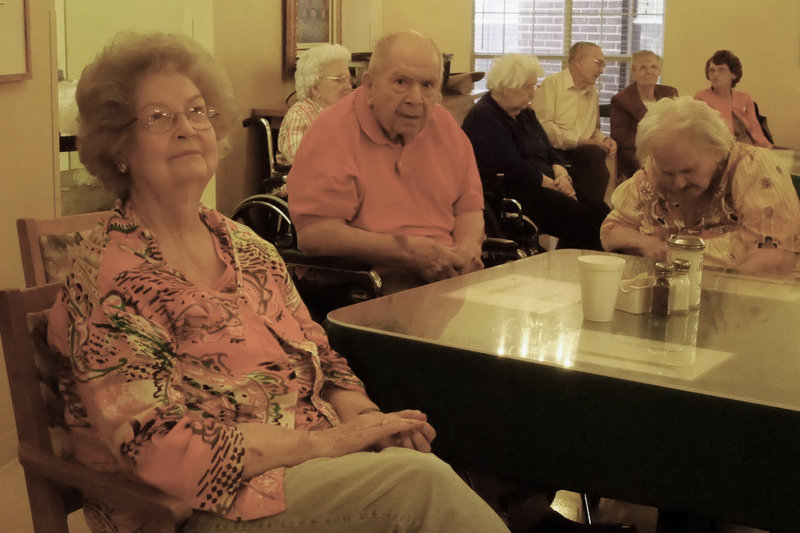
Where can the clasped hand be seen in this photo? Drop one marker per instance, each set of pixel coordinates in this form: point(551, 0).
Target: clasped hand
point(433, 261)
point(375, 431)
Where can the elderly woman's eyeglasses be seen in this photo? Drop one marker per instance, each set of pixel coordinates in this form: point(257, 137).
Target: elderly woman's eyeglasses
point(200, 117)
point(339, 79)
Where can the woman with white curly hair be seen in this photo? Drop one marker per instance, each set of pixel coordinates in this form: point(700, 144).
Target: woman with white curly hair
point(508, 139)
point(322, 79)
point(696, 179)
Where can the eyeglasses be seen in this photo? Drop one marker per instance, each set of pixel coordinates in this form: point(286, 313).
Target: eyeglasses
point(339, 79)
point(600, 62)
point(529, 86)
point(200, 117)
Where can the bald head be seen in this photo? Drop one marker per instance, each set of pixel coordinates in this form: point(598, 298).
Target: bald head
point(403, 41)
point(403, 83)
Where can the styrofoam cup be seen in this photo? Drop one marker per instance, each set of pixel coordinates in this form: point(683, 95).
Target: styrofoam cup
point(600, 277)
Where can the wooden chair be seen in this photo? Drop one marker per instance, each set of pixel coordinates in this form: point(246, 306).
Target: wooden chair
point(47, 244)
point(56, 484)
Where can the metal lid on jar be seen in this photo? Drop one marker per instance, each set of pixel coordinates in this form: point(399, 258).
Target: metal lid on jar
point(686, 242)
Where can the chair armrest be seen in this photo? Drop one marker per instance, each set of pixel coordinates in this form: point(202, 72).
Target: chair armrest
point(498, 245)
point(511, 205)
point(114, 488)
point(294, 256)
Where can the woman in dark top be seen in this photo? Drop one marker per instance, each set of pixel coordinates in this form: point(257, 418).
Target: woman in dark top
point(507, 138)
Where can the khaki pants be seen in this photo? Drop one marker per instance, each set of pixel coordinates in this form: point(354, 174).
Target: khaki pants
point(395, 490)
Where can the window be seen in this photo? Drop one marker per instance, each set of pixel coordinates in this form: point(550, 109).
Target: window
point(548, 28)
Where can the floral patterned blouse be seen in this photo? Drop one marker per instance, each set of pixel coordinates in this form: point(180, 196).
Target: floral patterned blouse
point(162, 370)
point(754, 205)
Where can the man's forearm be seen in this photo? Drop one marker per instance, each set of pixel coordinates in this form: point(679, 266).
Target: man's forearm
point(468, 230)
point(336, 238)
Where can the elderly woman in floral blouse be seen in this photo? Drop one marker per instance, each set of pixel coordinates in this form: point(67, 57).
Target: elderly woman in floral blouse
point(696, 178)
point(322, 78)
point(193, 365)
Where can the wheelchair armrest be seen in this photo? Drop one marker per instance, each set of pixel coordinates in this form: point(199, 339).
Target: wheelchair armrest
point(327, 283)
point(511, 205)
point(294, 256)
point(281, 169)
point(498, 245)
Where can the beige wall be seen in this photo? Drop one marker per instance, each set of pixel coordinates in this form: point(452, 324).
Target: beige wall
point(248, 42)
point(28, 159)
point(448, 23)
point(766, 37)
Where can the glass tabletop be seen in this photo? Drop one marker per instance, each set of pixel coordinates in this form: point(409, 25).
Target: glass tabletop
point(741, 344)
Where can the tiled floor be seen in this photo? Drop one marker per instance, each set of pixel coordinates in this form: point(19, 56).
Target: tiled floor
point(15, 516)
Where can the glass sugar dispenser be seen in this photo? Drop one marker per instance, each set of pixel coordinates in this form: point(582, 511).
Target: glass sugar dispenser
point(689, 248)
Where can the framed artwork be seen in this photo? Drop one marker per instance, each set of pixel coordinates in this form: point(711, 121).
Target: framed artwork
point(15, 59)
point(308, 23)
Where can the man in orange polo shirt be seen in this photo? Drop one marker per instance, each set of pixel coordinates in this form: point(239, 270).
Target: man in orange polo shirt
point(386, 175)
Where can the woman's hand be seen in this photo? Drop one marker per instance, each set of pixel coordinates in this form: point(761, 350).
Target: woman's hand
point(371, 431)
point(419, 439)
point(768, 261)
point(652, 247)
point(628, 240)
point(562, 182)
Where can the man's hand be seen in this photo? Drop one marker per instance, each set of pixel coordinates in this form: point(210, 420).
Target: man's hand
point(430, 260)
point(470, 258)
point(611, 144)
point(607, 144)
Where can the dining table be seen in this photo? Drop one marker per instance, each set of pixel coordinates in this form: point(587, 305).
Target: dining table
point(698, 412)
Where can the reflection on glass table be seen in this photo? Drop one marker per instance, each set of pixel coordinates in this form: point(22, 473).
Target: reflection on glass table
point(698, 412)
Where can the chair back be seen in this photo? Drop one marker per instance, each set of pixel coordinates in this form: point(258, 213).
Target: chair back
point(48, 245)
point(33, 371)
point(55, 483)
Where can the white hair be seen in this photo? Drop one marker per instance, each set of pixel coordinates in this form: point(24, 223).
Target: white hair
point(512, 71)
point(311, 63)
point(682, 117)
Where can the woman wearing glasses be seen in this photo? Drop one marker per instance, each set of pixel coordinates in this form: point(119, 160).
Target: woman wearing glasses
point(724, 70)
point(322, 79)
point(190, 362)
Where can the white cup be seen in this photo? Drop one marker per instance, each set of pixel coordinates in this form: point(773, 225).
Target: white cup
point(600, 277)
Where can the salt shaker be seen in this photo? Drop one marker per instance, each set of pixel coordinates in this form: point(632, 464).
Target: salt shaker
point(681, 288)
point(690, 248)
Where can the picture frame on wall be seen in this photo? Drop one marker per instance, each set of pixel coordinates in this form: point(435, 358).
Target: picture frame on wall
point(15, 59)
point(308, 23)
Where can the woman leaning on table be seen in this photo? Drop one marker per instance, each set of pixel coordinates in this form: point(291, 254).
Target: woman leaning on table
point(193, 365)
point(695, 177)
point(724, 70)
point(630, 105)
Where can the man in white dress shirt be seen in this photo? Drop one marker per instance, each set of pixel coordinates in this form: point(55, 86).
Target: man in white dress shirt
point(567, 107)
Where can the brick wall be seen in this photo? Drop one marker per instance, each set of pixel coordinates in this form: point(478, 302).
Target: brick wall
point(620, 27)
